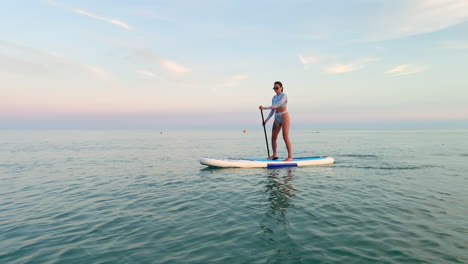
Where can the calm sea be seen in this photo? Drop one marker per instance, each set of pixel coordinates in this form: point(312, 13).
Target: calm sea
point(139, 196)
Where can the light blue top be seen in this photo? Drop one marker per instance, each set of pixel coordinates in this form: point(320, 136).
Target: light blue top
point(277, 101)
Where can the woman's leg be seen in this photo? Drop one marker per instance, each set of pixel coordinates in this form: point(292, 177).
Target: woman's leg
point(286, 125)
point(274, 136)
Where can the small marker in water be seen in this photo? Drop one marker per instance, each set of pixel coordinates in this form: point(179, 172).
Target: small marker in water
point(245, 131)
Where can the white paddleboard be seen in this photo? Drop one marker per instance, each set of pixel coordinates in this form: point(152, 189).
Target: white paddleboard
point(266, 163)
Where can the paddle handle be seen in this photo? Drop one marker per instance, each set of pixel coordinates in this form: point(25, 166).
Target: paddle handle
point(264, 130)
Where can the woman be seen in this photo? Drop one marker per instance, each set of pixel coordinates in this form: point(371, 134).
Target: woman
point(282, 120)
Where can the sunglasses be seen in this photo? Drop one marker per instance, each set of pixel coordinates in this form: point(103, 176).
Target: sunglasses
point(275, 88)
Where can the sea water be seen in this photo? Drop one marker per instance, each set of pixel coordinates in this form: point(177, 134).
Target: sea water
point(140, 196)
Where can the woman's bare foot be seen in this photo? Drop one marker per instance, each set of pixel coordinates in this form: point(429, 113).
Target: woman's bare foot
point(273, 157)
point(288, 159)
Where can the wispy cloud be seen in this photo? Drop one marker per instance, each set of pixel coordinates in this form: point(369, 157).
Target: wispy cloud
point(329, 65)
point(418, 17)
point(95, 69)
point(109, 20)
point(148, 56)
point(32, 58)
point(349, 67)
point(235, 80)
point(173, 67)
point(309, 60)
point(89, 14)
point(405, 69)
point(148, 74)
point(457, 45)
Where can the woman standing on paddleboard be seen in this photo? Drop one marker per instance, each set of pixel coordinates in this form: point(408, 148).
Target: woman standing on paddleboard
point(282, 120)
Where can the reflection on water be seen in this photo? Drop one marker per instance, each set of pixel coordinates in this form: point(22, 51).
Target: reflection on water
point(279, 192)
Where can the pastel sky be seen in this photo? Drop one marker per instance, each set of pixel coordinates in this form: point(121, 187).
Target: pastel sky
point(151, 63)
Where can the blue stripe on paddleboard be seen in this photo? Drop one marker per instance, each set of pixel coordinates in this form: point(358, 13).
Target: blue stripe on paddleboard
point(295, 159)
point(270, 165)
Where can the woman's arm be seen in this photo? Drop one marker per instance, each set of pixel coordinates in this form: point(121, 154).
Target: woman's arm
point(270, 115)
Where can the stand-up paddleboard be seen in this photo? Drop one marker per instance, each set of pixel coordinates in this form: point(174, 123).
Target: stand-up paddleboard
point(266, 163)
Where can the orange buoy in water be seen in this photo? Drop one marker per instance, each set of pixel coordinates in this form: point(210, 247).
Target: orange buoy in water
point(245, 131)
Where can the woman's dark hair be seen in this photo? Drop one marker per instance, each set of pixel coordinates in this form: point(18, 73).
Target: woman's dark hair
point(280, 84)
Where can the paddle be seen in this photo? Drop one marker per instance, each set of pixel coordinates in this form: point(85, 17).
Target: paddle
point(264, 130)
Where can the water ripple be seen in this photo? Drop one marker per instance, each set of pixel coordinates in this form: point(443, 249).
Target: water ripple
point(133, 197)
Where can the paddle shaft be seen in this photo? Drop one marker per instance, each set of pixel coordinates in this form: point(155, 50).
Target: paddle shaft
point(264, 130)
